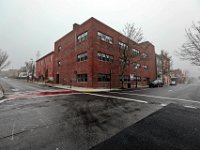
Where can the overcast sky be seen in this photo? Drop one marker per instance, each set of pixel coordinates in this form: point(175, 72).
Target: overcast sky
point(28, 26)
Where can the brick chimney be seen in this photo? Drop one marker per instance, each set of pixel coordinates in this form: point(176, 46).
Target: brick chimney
point(75, 26)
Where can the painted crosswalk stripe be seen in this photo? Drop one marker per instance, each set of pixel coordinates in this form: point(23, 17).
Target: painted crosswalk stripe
point(118, 97)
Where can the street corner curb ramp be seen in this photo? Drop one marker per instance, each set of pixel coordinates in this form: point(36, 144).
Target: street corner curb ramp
point(1, 92)
point(172, 127)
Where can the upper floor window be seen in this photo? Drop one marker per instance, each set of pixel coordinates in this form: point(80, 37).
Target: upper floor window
point(123, 45)
point(144, 55)
point(104, 57)
point(104, 37)
point(124, 61)
point(136, 65)
point(59, 48)
point(82, 37)
point(145, 67)
point(82, 57)
point(59, 63)
point(135, 52)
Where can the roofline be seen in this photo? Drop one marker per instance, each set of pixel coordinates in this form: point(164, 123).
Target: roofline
point(45, 56)
point(94, 19)
point(112, 29)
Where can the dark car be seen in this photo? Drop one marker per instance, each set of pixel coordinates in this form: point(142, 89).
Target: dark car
point(156, 83)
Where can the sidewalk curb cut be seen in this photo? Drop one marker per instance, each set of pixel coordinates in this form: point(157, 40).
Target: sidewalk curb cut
point(1, 93)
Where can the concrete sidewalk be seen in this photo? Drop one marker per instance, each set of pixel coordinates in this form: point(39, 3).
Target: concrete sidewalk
point(84, 89)
point(1, 92)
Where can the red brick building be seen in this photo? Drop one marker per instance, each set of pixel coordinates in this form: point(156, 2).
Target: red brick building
point(44, 67)
point(88, 56)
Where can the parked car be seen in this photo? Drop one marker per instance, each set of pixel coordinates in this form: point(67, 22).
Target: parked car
point(156, 83)
point(173, 83)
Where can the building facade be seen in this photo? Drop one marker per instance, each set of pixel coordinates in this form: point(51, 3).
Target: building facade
point(88, 56)
point(159, 67)
point(163, 61)
point(178, 75)
point(44, 67)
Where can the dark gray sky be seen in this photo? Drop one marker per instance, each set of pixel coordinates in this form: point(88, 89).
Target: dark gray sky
point(28, 26)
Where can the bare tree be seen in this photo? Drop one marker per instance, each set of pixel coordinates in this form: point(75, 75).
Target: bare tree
point(3, 59)
point(127, 53)
point(190, 50)
point(30, 68)
point(133, 33)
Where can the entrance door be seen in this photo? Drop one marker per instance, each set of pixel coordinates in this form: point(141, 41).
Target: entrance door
point(57, 78)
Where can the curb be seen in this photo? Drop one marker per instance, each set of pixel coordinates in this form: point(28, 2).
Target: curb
point(91, 90)
point(1, 92)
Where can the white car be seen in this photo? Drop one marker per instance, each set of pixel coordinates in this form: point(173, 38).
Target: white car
point(173, 83)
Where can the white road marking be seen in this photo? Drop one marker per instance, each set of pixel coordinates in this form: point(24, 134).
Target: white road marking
point(190, 106)
point(7, 99)
point(138, 90)
point(15, 90)
point(160, 97)
point(13, 129)
point(1, 101)
point(116, 97)
point(163, 105)
point(170, 91)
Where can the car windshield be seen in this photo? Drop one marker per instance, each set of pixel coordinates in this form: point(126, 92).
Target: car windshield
point(99, 74)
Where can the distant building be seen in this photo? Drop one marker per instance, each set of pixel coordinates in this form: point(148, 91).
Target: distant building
point(159, 68)
point(44, 67)
point(11, 73)
point(178, 75)
point(163, 67)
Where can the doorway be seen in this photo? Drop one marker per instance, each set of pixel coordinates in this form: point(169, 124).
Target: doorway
point(57, 78)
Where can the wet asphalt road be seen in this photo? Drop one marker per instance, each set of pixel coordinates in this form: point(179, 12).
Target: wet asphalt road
point(73, 121)
point(79, 121)
point(171, 128)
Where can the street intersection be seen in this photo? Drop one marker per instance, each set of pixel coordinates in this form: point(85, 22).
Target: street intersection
point(35, 116)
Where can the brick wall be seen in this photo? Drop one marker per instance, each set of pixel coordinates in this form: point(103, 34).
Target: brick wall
point(70, 48)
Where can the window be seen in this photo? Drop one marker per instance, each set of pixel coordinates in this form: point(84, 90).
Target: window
point(59, 63)
point(144, 55)
point(126, 78)
point(82, 57)
point(59, 48)
point(103, 77)
point(81, 77)
point(136, 65)
point(104, 57)
point(124, 61)
point(137, 77)
point(82, 37)
point(123, 45)
point(135, 52)
point(145, 67)
point(104, 37)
